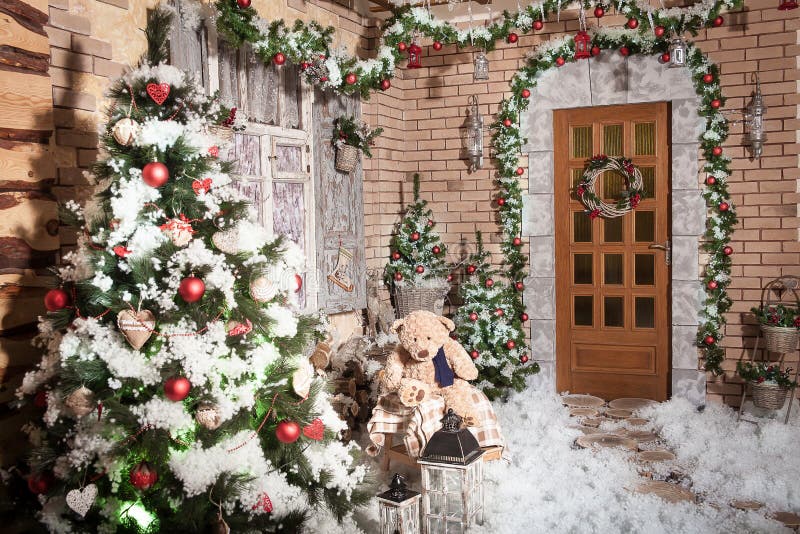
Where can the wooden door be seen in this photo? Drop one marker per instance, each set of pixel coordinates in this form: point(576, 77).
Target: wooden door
point(612, 287)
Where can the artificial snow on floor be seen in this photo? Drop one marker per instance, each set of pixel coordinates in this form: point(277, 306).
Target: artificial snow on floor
point(549, 485)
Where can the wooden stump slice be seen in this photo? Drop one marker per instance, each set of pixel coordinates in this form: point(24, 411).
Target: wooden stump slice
point(747, 505)
point(582, 401)
point(583, 412)
point(642, 437)
point(594, 421)
point(637, 421)
point(655, 456)
point(665, 490)
point(606, 440)
point(789, 519)
point(631, 404)
point(587, 430)
point(618, 413)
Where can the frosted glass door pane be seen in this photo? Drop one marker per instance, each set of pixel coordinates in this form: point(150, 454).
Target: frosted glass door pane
point(614, 311)
point(583, 310)
point(289, 158)
point(582, 142)
point(253, 190)
point(582, 227)
point(612, 139)
point(289, 213)
point(247, 155)
point(582, 268)
point(645, 139)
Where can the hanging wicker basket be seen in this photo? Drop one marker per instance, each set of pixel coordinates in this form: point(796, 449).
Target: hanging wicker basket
point(768, 395)
point(410, 299)
point(781, 339)
point(346, 158)
point(223, 133)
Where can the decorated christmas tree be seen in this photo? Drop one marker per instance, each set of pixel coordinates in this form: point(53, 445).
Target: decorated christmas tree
point(417, 252)
point(489, 325)
point(175, 394)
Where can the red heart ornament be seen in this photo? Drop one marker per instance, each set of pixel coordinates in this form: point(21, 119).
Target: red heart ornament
point(158, 92)
point(316, 430)
point(201, 186)
point(121, 251)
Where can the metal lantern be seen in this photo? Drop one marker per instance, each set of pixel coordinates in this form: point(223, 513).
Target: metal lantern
point(474, 135)
point(399, 508)
point(754, 121)
point(582, 48)
point(414, 56)
point(481, 71)
point(452, 479)
point(677, 53)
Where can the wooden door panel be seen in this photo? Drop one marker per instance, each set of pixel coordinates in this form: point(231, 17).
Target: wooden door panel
point(612, 289)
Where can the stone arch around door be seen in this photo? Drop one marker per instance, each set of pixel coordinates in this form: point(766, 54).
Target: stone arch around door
point(605, 80)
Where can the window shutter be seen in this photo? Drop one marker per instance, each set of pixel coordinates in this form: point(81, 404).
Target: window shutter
point(339, 208)
point(188, 47)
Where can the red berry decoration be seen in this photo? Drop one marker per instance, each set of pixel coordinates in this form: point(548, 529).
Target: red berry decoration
point(474, 354)
point(523, 358)
point(449, 277)
point(40, 400)
point(155, 174)
point(560, 61)
point(287, 431)
point(56, 299)
point(473, 316)
point(665, 57)
point(595, 50)
point(625, 51)
point(471, 269)
point(708, 78)
point(716, 151)
point(430, 223)
point(599, 12)
point(40, 483)
point(499, 312)
point(520, 171)
point(526, 93)
point(501, 201)
point(385, 85)
point(507, 123)
point(415, 236)
point(510, 344)
point(632, 24)
point(538, 25)
point(177, 388)
point(436, 250)
point(279, 58)
point(724, 206)
point(524, 317)
point(191, 289)
point(727, 251)
point(716, 104)
point(351, 79)
point(712, 284)
point(709, 340)
point(717, 22)
point(659, 31)
point(489, 282)
point(512, 38)
point(710, 180)
point(401, 46)
point(519, 286)
point(304, 65)
point(516, 242)
point(420, 269)
point(395, 255)
point(244, 4)
point(143, 476)
point(398, 276)
point(437, 45)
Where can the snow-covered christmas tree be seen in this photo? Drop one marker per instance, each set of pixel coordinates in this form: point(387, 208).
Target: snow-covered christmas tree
point(175, 395)
point(417, 252)
point(489, 324)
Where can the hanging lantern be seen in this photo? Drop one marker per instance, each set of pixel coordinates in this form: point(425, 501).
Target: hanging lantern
point(414, 55)
point(582, 45)
point(474, 139)
point(399, 508)
point(787, 4)
point(481, 71)
point(677, 53)
point(452, 479)
point(754, 121)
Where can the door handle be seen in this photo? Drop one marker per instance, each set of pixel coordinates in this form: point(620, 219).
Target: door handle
point(667, 248)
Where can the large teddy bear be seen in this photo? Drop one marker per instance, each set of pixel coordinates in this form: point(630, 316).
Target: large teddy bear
point(429, 362)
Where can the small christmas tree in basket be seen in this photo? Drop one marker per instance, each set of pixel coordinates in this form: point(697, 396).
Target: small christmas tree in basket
point(417, 271)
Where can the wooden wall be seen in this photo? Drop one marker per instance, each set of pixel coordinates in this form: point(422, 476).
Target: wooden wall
point(29, 239)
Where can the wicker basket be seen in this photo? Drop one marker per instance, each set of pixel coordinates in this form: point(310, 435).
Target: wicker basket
point(223, 133)
point(346, 158)
point(769, 396)
point(409, 299)
point(780, 338)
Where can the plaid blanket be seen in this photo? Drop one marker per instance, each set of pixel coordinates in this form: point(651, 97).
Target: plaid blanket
point(418, 424)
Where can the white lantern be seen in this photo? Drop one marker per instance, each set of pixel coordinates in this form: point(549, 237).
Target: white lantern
point(399, 508)
point(481, 71)
point(754, 121)
point(677, 53)
point(452, 479)
point(474, 135)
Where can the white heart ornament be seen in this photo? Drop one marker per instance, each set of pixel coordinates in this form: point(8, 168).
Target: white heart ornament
point(137, 327)
point(80, 501)
point(301, 379)
point(227, 241)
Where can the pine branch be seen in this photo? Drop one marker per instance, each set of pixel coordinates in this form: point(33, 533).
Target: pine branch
point(159, 21)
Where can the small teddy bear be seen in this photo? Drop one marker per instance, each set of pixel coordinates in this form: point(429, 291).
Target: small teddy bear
point(429, 362)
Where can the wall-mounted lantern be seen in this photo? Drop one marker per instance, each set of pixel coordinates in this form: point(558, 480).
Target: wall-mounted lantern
point(754, 121)
point(474, 139)
point(677, 53)
point(481, 71)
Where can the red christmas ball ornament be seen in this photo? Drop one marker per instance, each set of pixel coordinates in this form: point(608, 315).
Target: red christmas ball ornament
point(430, 223)
point(560, 61)
point(385, 85)
point(40, 399)
point(471, 269)
point(510, 344)
point(191, 289)
point(715, 104)
point(436, 250)
point(474, 354)
point(632, 24)
point(595, 51)
point(710, 180)
point(523, 358)
point(501, 201)
point(727, 251)
point(395, 255)
point(512, 38)
point(724, 206)
point(625, 51)
point(473, 316)
point(304, 65)
point(56, 299)
point(709, 340)
point(298, 283)
point(538, 25)
point(279, 58)
point(177, 388)
point(402, 46)
point(708, 78)
point(507, 123)
point(437, 45)
point(244, 4)
point(398, 276)
point(526, 93)
point(519, 286)
point(287, 431)
point(516, 242)
point(524, 317)
point(717, 22)
point(143, 476)
point(419, 269)
point(39, 483)
point(659, 31)
point(599, 12)
point(351, 78)
point(520, 171)
point(489, 282)
point(716, 151)
point(415, 236)
point(665, 57)
point(155, 174)
point(712, 284)
point(499, 312)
